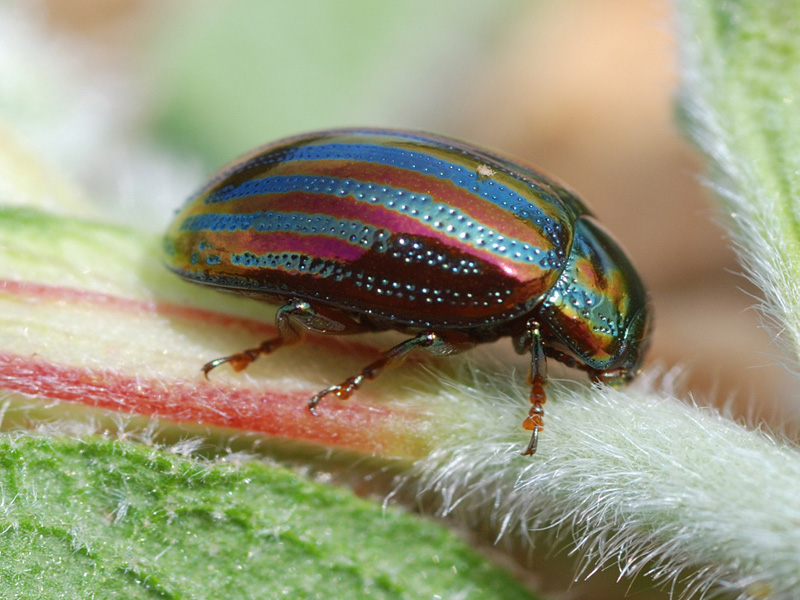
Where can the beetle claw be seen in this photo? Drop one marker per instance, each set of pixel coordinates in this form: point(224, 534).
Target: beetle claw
point(213, 364)
point(342, 391)
point(312, 404)
point(531, 449)
point(534, 423)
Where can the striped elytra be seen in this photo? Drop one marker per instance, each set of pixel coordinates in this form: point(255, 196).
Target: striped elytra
point(361, 230)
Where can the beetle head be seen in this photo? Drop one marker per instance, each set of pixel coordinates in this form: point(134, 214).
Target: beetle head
point(636, 342)
point(598, 311)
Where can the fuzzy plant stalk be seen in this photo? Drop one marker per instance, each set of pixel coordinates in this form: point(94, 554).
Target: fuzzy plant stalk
point(740, 103)
point(633, 478)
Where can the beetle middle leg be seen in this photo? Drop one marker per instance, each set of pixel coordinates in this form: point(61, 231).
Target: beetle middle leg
point(534, 422)
point(440, 344)
point(292, 320)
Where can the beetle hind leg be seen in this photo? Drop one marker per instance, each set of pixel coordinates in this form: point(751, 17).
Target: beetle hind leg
point(291, 321)
point(433, 343)
point(534, 422)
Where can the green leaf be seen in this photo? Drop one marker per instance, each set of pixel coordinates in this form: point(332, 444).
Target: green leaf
point(112, 519)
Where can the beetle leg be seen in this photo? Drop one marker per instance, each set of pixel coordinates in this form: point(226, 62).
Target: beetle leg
point(538, 379)
point(240, 360)
point(291, 321)
point(434, 343)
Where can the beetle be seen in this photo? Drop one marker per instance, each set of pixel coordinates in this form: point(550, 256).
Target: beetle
point(358, 230)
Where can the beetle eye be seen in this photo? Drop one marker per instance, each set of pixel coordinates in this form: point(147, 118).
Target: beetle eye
point(614, 377)
point(638, 338)
point(637, 341)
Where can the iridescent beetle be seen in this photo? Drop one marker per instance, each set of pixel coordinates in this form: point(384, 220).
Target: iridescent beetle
point(350, 231)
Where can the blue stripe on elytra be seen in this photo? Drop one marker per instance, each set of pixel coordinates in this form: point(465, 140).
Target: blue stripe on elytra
point(420, 162)
point(420, 207)
point(354, 232)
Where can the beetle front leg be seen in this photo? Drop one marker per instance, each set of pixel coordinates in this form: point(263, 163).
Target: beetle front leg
point(431, 342)
point(538, 379)
point(292, 320)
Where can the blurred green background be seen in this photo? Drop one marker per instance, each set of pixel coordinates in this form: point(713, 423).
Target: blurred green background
point(230, 76)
